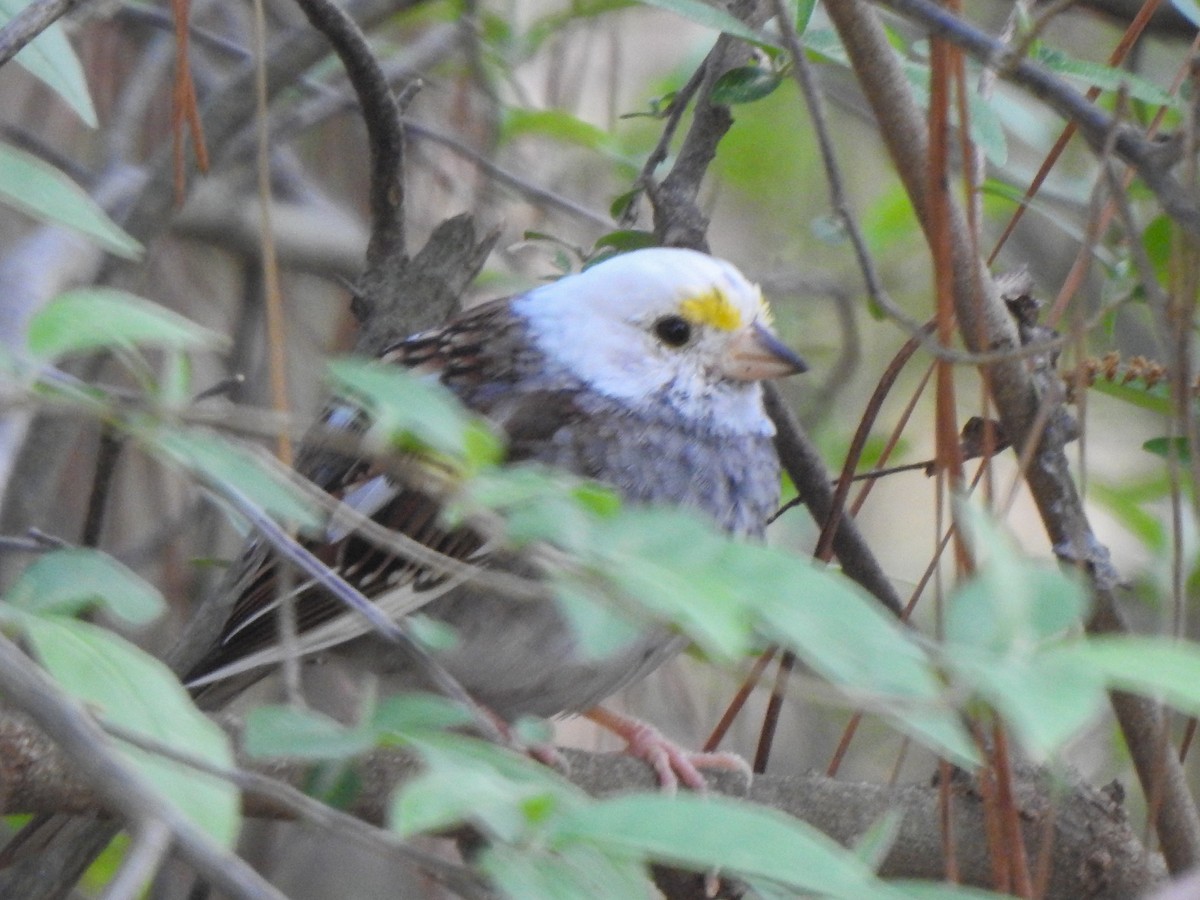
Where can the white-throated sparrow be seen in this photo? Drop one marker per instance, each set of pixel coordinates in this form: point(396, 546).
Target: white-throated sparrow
point(641, 372)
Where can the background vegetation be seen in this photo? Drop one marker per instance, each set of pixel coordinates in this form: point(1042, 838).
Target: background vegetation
point(158, 373)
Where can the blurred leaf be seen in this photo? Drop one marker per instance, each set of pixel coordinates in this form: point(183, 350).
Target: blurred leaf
point(829, 229)
point(1160, 668)
point(695, 832)
point(927, 890)
point(626, 240)
point(39, 190)
point(555, 22)
point(711, 17)
point(65, 582)
point(1156, 239)
point(621, 204)
point(1156, 399)
point(90, 319)
point(258, 476)
point(131, 689)
point(658, 108)
point(1189, 10)
point(1012, 604)
point(600, 630)
point(985, 128)
point(1002, 630)
point(729, 597)
point(415, 414)
point(1127, 502)
point(804, 11)
point(287, 731)
point(877, 841)
point(745, 84)
point(49, 58)
point(579, 872)
point(846, 637)
point(556, 124)
point(467, 780)
point(1015, 686)
point(1106, 78)
point(405, 716)
point(1165, 447)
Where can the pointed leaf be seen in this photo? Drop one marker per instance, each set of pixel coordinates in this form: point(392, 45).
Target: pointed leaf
point(129, 688)
point(90, 319)
point(50, 58)
point(67, 581)
point(39, 190)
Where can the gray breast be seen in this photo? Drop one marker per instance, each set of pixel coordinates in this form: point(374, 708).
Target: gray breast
point(733, 479)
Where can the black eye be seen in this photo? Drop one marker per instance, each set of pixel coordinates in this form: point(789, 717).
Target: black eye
point(674, 331)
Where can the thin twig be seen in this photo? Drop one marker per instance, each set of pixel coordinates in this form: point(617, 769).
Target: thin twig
point(31, 21)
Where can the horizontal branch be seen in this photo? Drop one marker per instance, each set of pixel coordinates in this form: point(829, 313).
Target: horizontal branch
point(1095, 852)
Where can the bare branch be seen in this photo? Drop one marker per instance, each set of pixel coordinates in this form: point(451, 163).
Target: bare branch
point(30, 22)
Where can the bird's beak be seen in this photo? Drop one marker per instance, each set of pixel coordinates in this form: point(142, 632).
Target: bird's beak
point(756, 354)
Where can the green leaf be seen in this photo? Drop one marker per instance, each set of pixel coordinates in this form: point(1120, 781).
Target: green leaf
point(468, 780)
point(579, 872)
point(39, 190)
point(877, 841)
point(1001, 634)
point(711, 17)
point(1156, 667)
point(49, 57)
point(1043, 720)
point(1157, 240)
point(1106, 78)
point(985, 128)
point(803, 15)
point(745, 84)
point(89, 319)
point(408, 716)
point(927, 890)
point(261, 478)
point(628, 239)
point(845, 636)
point(752, 841)
point(556, 124)
point(65, 582)
point(1167, 448)
point(410, 413)
point(622, 203)
point(125, 686)
point(1012, 604)
point(286, 731)
point(1157, 399)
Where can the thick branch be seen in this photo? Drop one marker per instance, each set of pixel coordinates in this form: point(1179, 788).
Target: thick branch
point(1095, 853)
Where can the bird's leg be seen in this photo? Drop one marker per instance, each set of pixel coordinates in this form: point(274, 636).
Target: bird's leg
point(542, 751)
point(671, 763)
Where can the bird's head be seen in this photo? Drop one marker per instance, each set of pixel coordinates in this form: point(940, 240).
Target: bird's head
point(664, 323)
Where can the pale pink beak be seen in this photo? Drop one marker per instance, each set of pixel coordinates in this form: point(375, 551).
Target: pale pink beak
point(755, 354)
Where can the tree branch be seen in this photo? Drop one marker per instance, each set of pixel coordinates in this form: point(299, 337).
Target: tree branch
point(1153, 161)
point(985, 324)
point(1095, 853)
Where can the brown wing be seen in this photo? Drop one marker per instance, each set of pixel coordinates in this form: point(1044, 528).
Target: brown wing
point(478, 355)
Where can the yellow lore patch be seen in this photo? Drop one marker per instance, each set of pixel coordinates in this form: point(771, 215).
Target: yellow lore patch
point(715, 309)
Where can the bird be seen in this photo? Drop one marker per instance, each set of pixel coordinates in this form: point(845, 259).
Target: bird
point(642, 372)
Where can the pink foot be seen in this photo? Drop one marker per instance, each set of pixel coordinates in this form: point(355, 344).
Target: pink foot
point(671, 763)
